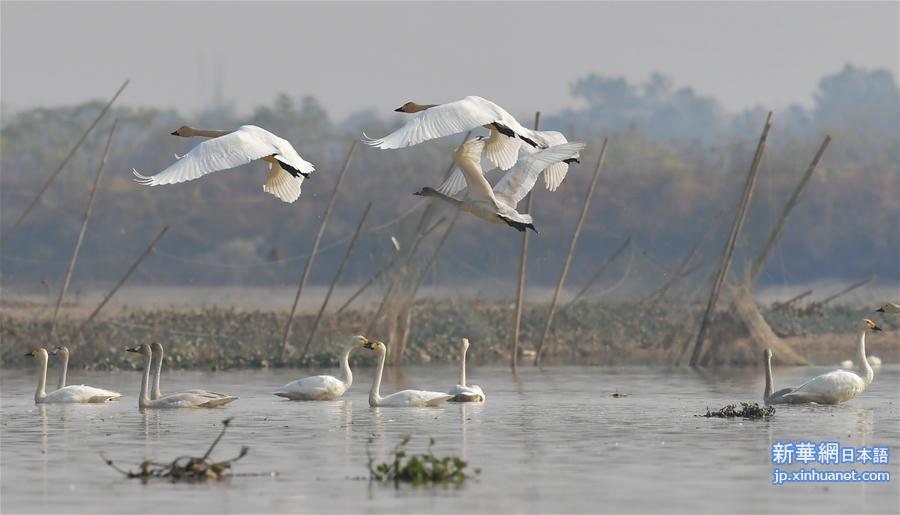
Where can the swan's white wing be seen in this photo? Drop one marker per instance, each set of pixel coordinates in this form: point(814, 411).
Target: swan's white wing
point(502, 150)
point(237, 148)
point(468, 158)
point(436, 122)
point(454, 184)
point(516, 183)
point(282, 184)
point(555, 173)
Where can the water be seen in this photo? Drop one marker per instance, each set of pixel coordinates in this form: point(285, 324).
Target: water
point(554, 442)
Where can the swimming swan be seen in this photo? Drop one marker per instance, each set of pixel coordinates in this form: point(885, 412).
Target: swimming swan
point(228, 149)
point(461, 392)
point(889, 307)
point(838, 385)
point(157, 354)
point(323, 388)
point(498, 205)
point(438, 120)
point(72, 394)
point(64, 368)
point(402, 399)
point(768, 396)
point(175, 400)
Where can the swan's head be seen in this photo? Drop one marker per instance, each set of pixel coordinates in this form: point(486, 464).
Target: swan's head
point(465, 344)
point(184, 131)
point(156, 347)
point(409, 107)
point(142, 349)
point(868, 325)
point(62, 349)
point(374, 345)
point(360, 340)
point(36, 353)
point(767, 353)
point(888, 308)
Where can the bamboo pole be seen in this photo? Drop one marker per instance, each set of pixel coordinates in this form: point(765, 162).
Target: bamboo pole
point(337, 277)
point(568, 261)
point(315, 248)
point(609, 261)
point(84, 223)
point(62, 165)
point(760, 261)
point(845, 291)
point(679, 271)
point(784, 305)
point(125, 277)
point(728, 251)
point(523, 265)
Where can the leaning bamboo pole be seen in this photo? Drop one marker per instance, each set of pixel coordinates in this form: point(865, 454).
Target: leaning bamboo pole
point(571, 252)
point(62, 165)
point(315, 248)
point(84, 223)
point(523, 265)
point(337, 277)
point(760, 260)
point(728, 251)
point(126, 276)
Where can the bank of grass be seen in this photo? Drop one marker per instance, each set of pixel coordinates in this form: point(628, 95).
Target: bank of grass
point(589, 333)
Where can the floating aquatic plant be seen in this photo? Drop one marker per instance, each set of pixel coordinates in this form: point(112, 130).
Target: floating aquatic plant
point(617, 394)
point(185, 468)
point(418, 469)
point(748, 411)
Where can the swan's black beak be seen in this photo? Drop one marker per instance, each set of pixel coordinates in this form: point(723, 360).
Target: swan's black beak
point(30, 354)
point(133, 349)
point(876, 328)
point(174, 133)
point(879, 310)
point(369, 344)
point(399, 109)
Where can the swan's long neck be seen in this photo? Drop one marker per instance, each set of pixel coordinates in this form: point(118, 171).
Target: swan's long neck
point(157, 372)
point(206, 133)
point(63, 371)
point(431, 192)
point(375, 393)
point(41, 391)
point(346, 374)
point(767, 393)
point(143, 401)
point(864, 362)
point(462, 366)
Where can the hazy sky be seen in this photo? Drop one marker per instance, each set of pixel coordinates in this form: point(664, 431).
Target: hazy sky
point(357, 55)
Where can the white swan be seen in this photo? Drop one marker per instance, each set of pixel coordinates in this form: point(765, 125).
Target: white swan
point(498, 205)
point(462, 392)
point(768, 396)
point(175, 400)
point(68, 394)
point(553, 174)
point(402, 399)
point(64, 368)
point(889, 307)
point(323, 388)
point(228, 149)
point(157, 355)
point(432, 121)
point(838, 385)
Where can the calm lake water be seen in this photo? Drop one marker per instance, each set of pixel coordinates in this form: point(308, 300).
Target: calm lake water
point(555, 441)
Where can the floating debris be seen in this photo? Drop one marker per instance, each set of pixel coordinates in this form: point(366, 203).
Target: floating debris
point(185, 468)
point(748, 411)
point(419, 469)
point(618, 395)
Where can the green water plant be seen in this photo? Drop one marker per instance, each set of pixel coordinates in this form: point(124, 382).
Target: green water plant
point(747, 411)
point(419, 469)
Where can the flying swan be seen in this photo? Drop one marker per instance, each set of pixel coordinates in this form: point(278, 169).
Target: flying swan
point(175, 400)
point(68, 394)
point(402, 399)
point(838, 385)
point(499, 205)
point(324, 387)
point(461, 392)
point(438, 120)
point(228, 149)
